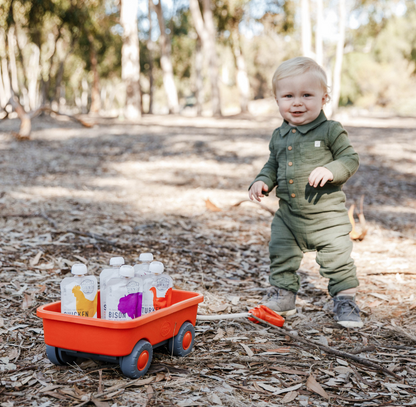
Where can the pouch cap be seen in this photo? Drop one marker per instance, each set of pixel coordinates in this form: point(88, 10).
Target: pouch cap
point(146, 257)
point(156, 267)
point(116, 261)
point(79, 269)
point(127, 271)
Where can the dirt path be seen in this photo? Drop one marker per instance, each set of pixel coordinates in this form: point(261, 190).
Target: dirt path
point(73, 194)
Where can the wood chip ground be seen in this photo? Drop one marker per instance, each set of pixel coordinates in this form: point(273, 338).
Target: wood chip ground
point(73, 194)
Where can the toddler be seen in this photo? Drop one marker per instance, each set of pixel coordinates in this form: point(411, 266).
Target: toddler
point(310, 159)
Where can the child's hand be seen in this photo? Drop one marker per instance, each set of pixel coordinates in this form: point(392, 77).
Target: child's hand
point(319, 175)
point(256, 190)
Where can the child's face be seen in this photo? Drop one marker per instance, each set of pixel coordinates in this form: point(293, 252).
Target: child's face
point(300, 98)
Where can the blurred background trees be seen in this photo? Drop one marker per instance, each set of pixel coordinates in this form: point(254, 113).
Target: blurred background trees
point(128, 57)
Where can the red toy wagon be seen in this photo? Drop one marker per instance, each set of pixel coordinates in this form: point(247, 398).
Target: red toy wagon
point(128, 343)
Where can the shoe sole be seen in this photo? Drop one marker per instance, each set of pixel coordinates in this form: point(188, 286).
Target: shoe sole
point(350, 324)
point(286, 313)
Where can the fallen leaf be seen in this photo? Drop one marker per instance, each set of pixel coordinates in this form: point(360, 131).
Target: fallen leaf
point(14, 353)
point(220, 334)
point(28, 300)
point(160, 377)
point(279, 350)
point(215, 399)
point(313, 385)
point(36, 259)
point(149, 391)
point(267, 387)
point(374, 304)
point(218, 308)
point(380, 296)
point(83, 259)
point(99, 403)
point(290, 371)
point(289, 397)
point(247, 349)
point(41, 288)
point(56, 395)
point(343, 369)
point(212, 207)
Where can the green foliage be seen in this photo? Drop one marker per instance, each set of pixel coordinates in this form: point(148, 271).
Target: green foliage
point(382, 65)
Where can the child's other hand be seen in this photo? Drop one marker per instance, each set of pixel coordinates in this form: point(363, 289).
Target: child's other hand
point(320, 176)
point(256, 190)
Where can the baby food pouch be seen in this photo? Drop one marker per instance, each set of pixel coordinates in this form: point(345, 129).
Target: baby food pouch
point(142, 268)
point(124, 296)
point(157, 291)
point(79, 293)
point(108, 273)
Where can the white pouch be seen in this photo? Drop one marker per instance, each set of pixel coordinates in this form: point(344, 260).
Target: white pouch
point(124, 296)
point(157, 290)
point(108, 273)
point(79, 293)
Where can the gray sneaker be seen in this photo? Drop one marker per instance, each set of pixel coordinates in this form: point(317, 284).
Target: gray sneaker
point(280, 300)
point(347, 312)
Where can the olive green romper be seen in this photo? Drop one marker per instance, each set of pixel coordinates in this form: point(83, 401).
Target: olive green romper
point(309, 218)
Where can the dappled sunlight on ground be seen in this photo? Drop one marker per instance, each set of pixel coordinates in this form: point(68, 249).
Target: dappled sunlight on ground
point(73, 194)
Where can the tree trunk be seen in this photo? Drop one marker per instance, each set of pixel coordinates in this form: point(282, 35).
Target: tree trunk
point(84, 96)
point(206, 31)
point(6, 94)
point(130, 66)
point(95, 90)
point(242, 77)
point(33, 73)
point(21, 60)
point(12, 60)
point(59, 76)
point(339, 56)
point(213, 60)
point(6, 78)
point(166, 62)
point(3, 98)
point(318, 33)
point(306, 29)
point(150, 49)
point(25, 121)
point(199, 83)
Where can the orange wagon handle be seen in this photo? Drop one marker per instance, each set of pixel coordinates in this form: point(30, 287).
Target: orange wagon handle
point(261, 312)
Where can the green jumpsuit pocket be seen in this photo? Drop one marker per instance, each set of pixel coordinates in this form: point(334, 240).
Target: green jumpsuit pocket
point(315, 152)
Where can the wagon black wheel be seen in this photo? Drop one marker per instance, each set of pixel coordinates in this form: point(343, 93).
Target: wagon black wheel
point(58, 356)
point(138, 362)
point(52, 354)
point(65, 358)
point(183, 342)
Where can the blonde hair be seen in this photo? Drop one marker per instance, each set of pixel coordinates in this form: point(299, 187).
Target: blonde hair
point(299, 66)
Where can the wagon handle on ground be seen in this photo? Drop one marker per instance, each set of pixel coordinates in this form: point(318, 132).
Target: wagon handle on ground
point(261, 312)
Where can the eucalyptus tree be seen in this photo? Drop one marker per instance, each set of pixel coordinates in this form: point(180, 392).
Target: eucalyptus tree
point(166, 60)
point(130, 63)
point(205, 28)
point(229, 14)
